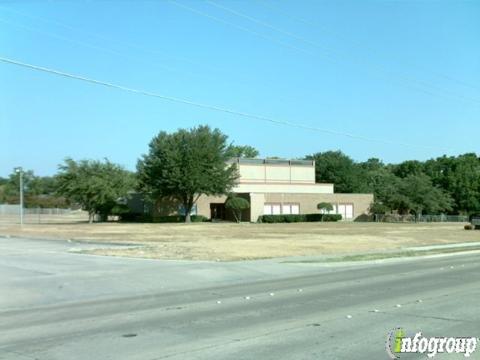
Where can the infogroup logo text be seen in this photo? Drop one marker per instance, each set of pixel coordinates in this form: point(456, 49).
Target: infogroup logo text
point(398, 343)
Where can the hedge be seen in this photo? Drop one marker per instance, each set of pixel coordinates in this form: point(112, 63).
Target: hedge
point(298, 218)
point(132, 217)
point(178, 218)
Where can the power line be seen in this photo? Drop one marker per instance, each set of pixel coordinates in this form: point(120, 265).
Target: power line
point(105, 49)
point(207, 106)
point(406, 79)
point(365, 46)
point(100, 37)
point(217, 19)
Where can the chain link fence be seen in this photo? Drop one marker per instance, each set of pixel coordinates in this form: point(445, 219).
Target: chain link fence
point(395, 218)
point(10, 214)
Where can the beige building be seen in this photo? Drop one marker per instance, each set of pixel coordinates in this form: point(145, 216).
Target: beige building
point(275, 186)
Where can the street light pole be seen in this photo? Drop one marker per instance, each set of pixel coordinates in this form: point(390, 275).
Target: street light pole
point(19, 171)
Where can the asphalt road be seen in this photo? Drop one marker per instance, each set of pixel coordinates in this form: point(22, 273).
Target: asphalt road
point(55, 304)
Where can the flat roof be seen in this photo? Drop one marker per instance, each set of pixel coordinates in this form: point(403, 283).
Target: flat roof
point(273, 161)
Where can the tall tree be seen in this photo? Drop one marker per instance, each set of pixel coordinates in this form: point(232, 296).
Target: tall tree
point(95, 185)
point(460, 177)
point(185, 165)
point(39, 191)
point(423, 196)
point(406, 168)
point(337, 168)
point(245, 151)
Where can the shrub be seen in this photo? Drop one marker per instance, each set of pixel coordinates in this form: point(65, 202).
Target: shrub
point(237, 205)
point(332, 217)
point(314, 217)
point(178, 218)
point(146, 218)
point(325, 206)
point(198, 218)
point(135, 217)
point(272, 219)
point(468, 227)
point(294, 218)
point(120, 209)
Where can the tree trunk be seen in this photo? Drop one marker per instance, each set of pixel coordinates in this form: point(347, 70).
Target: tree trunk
point(188, 209)
point(235, 214)
point(91, 216)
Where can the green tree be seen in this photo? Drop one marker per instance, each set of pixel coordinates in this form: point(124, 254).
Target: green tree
point(39, 191)
point(185, 165)
point(460, 177)
point(337, 168)
point(237, 205)
point(406, 168)
point(95, 185)
point(423, 196)
point(239, 151)
point(324, 207)
point(386, 189)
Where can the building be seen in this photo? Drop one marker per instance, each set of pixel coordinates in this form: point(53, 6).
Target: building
point(277, 186)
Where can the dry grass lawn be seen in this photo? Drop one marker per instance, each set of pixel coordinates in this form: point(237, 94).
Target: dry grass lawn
point(228, 241)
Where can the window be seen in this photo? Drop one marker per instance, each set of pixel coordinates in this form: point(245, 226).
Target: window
point(181, 210)
point(267, 209)
point(346, 210)
point(286, 209)
point(277, 209)
point(295, 208)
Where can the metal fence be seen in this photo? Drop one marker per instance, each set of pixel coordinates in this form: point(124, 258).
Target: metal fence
point(10, 214)
point(395, 218)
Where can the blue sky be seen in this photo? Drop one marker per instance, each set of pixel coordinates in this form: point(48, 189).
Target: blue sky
point(400, 71)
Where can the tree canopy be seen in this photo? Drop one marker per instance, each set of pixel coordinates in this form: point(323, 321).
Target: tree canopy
point(324, 207)
point(39, 191)
point(244, 151)
point(237, 204)
point(442, 185)
point(337, 168)
point(187, 164)
point(95, 185)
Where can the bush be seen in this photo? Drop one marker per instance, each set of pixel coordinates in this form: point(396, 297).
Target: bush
point(314, 217)
point(332, 217)
point(272, 219)
point(237, 205)
point(178, 219)
point(468, 227)
point(198, 218)
point(120, 210)
point(135, 217)
point(146, 218)
point(327, 207)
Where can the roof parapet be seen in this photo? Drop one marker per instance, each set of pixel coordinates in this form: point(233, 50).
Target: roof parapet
point(273, 161)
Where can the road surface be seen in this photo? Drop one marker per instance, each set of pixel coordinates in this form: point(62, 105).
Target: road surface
point(55, 304)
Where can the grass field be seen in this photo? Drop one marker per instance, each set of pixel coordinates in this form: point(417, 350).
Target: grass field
point(228, 241)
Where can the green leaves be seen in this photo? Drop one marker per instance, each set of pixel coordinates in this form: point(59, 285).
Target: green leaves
point(185, 165)
point(337, 168)
point(246, 151)
point(237, 205)
point(96, 186)
point(445, 184)
point(325, 206)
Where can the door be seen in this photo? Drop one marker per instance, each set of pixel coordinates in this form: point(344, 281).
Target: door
point(217, 211)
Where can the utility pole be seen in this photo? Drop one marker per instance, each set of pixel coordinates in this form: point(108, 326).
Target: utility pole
point(19, 171)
